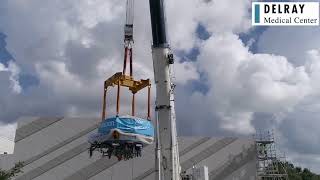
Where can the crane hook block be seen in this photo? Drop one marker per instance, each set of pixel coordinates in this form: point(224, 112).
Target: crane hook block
point(128, 32)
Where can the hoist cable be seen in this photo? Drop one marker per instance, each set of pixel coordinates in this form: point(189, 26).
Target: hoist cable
point(130, 12)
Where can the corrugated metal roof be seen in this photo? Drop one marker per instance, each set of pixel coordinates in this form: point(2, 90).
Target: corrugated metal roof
point(59, 151)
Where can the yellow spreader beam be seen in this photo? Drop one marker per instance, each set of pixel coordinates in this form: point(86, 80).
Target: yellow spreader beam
point(126, 81)
point(119, 79)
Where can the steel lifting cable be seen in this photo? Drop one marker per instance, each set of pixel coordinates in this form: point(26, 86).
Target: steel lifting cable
point(149, 102)
point(118, 98)
point(132, 168)
point(130, 12)
point(131, 68)
point(112, 171)
point(128, 41)
point(104, 105)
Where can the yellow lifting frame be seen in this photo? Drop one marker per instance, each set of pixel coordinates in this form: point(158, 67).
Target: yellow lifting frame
point(119, 79)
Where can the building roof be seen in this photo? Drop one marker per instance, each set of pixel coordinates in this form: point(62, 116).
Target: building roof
point(57, 148)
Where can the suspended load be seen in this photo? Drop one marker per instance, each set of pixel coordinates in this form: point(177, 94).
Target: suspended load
point(125, 128)
point(124, 133)
point(124, 136)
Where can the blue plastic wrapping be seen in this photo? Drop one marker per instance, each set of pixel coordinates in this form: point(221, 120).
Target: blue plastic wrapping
point(127, 124)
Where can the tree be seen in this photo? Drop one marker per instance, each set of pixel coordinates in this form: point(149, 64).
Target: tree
point(298, 173)
point(8, 174)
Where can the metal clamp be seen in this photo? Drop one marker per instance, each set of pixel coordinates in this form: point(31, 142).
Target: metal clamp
point(162, 107)
point(170, 58)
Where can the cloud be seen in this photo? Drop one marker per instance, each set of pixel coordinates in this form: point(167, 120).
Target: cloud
point(54, 44)
point(184, 72)
point(243, 83)
point(299, 138)
point(13, 71)
point(72, 47)
point(291, 42)
point(214, 15)
point(211, 14)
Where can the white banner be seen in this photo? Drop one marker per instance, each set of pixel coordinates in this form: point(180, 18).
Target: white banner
point(285, 13)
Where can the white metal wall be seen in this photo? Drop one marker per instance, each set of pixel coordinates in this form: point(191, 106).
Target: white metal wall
point(57, 149)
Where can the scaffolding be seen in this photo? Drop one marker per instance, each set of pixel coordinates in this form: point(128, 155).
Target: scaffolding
point(270, 165)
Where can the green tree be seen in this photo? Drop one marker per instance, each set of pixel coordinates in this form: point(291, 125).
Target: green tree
point(8, 174)
point(298, 173)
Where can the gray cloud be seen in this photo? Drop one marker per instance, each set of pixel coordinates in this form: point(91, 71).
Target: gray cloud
point(71, 47)
point(287, 41)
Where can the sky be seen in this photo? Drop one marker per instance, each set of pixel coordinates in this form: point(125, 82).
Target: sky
point(232, 78)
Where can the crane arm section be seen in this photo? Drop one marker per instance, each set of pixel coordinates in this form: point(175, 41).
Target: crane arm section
point(128, 29)
point(167, 160)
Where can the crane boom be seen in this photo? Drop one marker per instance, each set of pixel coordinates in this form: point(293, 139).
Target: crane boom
point(128, 29)
point(167, 154)
point(128, 37)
